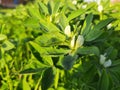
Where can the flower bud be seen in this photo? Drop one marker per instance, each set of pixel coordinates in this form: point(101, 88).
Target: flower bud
point(100, 8)
point(79, 41)
point(72, 44)
point(84, 6)
point(67, 30)
point(102, 59)
point(107, 63)
point(109, 26)
point(74, 2)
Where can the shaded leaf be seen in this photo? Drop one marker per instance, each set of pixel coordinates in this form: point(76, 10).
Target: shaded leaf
point(104, 81)
point(47, 79)
point(32, 71)
point(103, 23)
point(87, 24)
point(96, 31)
point(68, 62)
point(88, 50)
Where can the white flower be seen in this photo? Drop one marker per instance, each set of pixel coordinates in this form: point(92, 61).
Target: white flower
point(109, 26)
point(67, 30)
point(84, 6)
point(88, 0)
point(107, 63)
point(100, 8)
point(98, 1)
point(74, 2)
point(102, 59)
point(79, 41)
point(72, 44)
point(50, 18)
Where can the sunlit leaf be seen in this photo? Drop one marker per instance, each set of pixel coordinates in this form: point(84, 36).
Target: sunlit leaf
point(7, 45)
point(43, 8)
point(78, 12)
point(43, 53)
point(26, 84)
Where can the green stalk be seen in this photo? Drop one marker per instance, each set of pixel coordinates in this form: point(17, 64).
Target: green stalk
point(8, 78)
point(2, 28)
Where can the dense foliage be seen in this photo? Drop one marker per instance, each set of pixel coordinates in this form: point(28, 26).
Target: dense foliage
point(60, 45)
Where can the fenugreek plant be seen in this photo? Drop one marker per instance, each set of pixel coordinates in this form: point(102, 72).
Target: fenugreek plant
point(61, 45)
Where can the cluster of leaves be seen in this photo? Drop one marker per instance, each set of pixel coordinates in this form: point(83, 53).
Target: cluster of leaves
point(36, 51)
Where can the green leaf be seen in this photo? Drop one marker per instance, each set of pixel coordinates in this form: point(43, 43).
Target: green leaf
point(7, 45)
point(43, 8)
point(34, 11)
point(38, 48)
point(56, 6)
point(96, 31)
point(63, 21)
point(50, 39)
point(79, 12)
point(26, 85)
point(111, 82)
point(111, 52)
point(115, 66)
point(103, 23)
point(43, 53)
point(88, 50)
point(92, 35)
point(90, 73)
point(32, 22)
point(2, 38)
point(76, 13)
point(32, 71)
point(47, 79)
point(68, 62)
point(48, 26)
point(56, 81)
point(104, 81)
point(87, 24)
point(56, 51)
point(51, 6)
